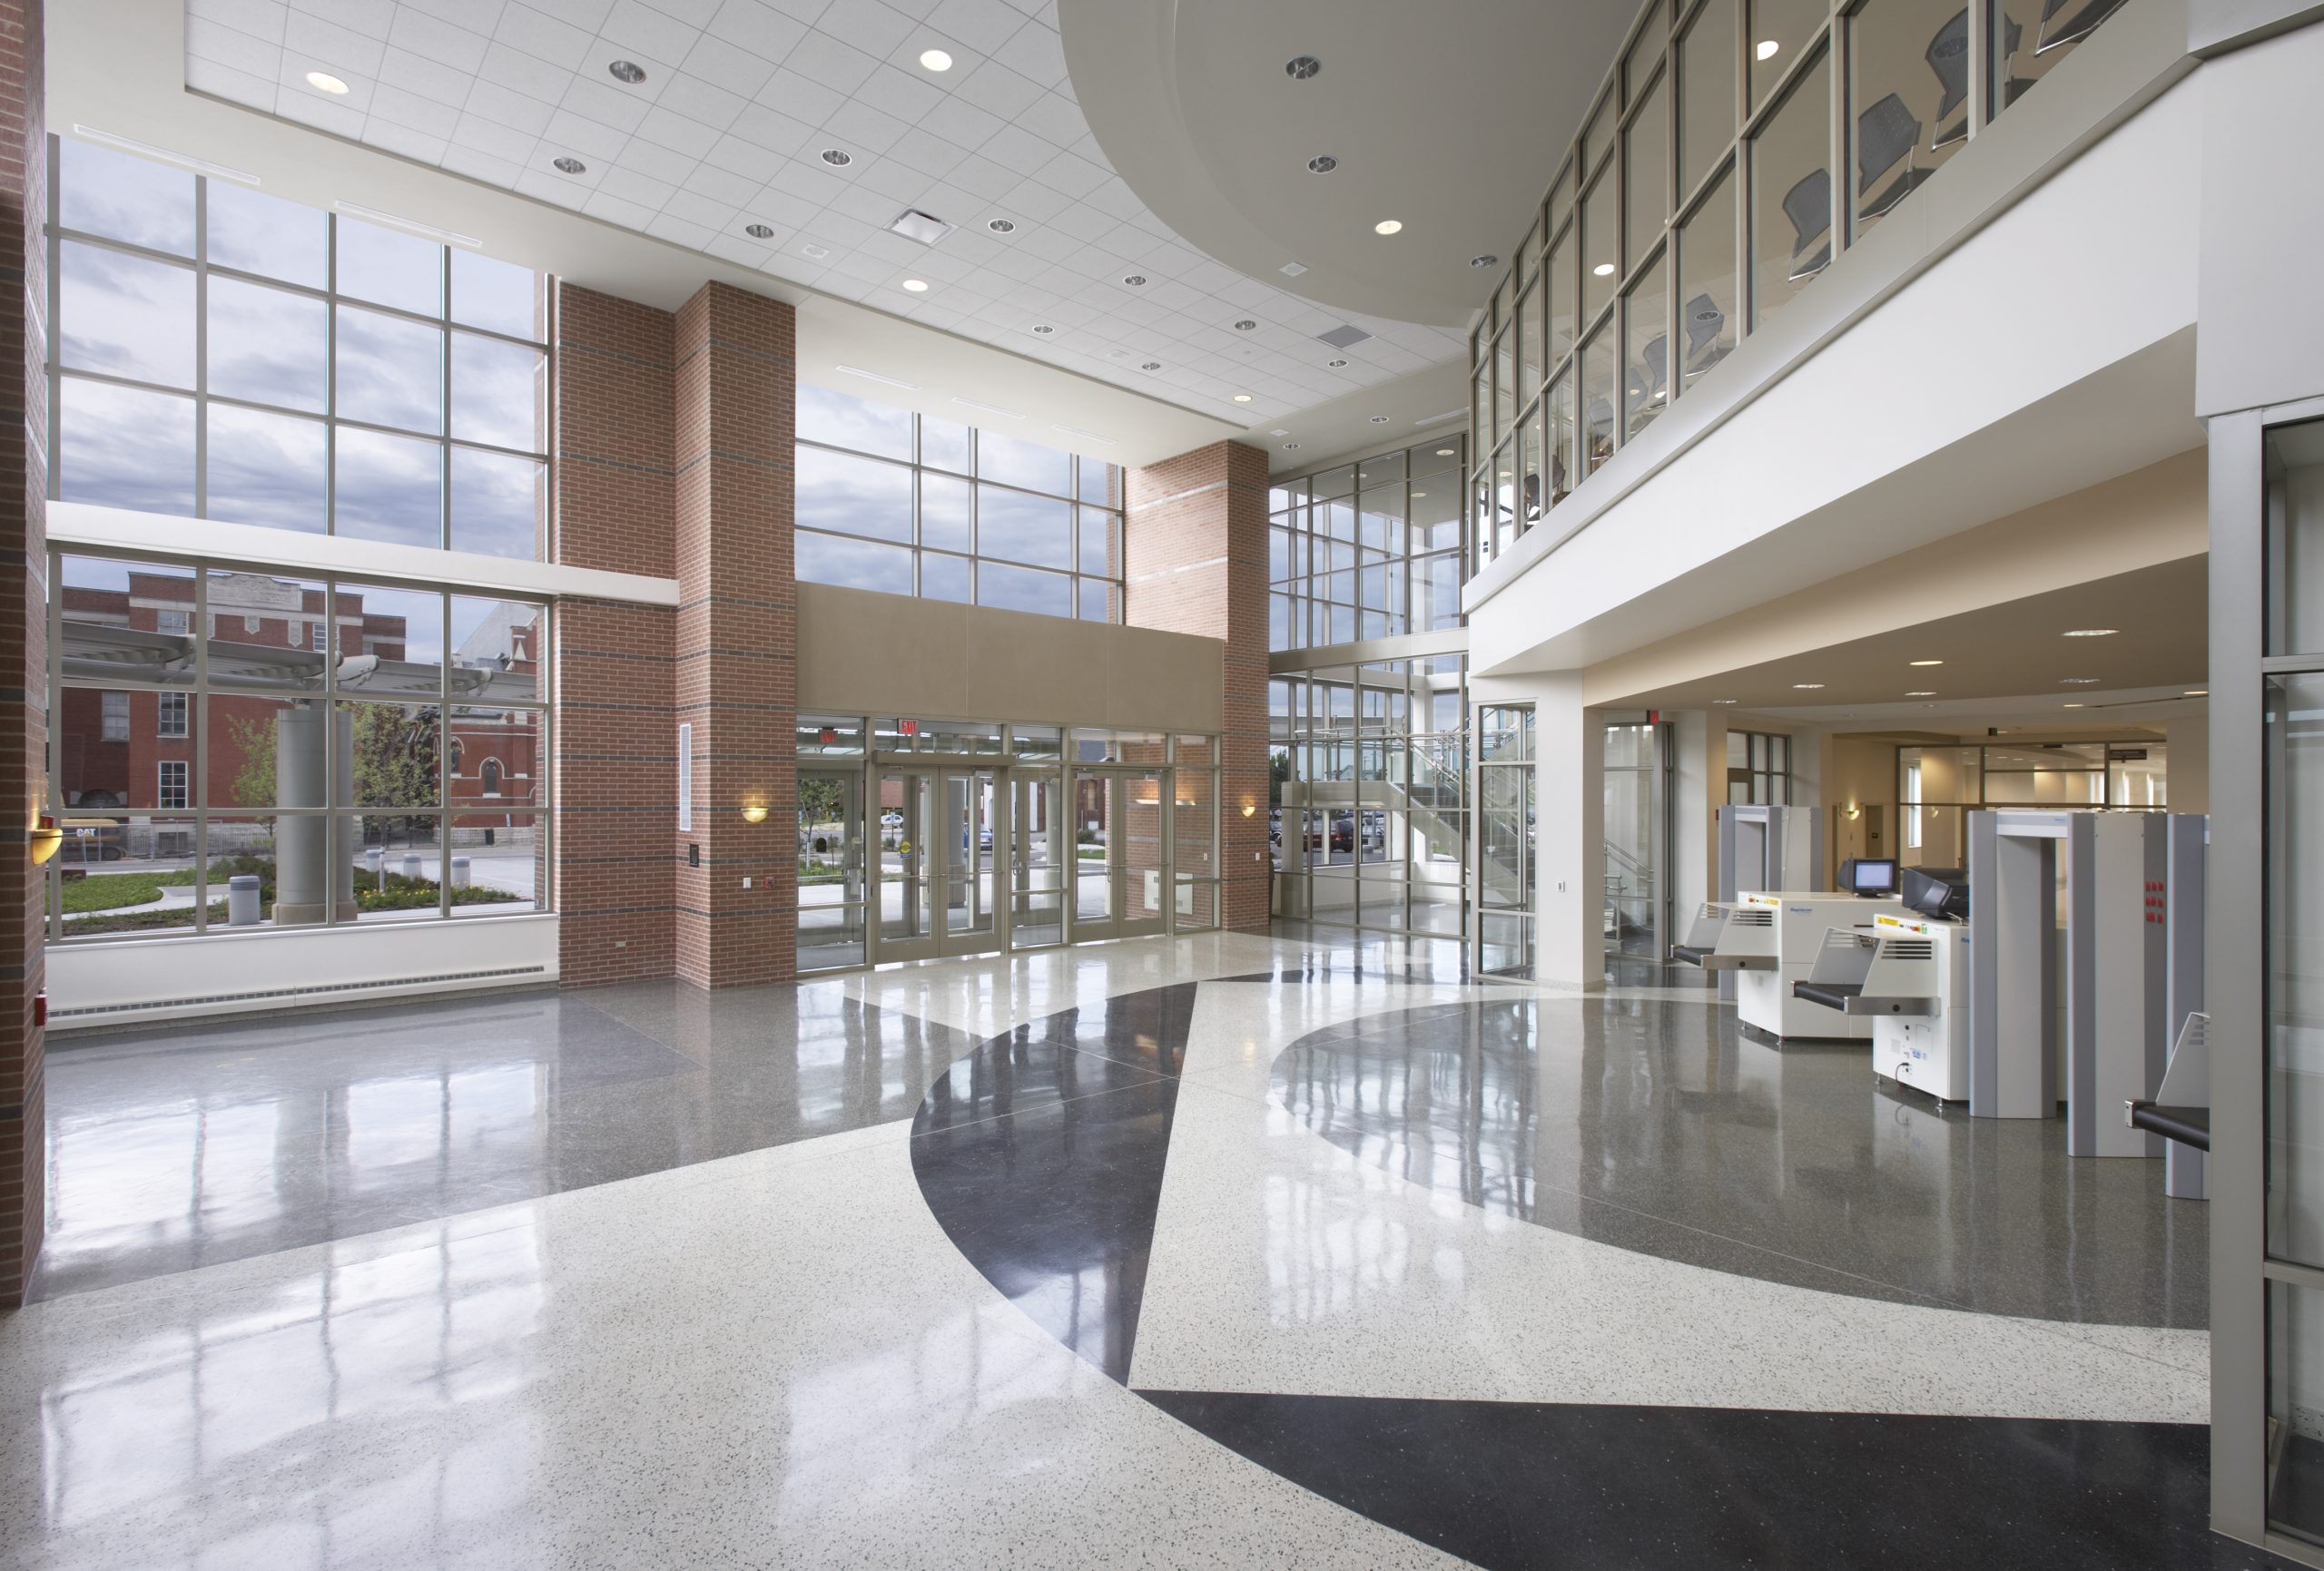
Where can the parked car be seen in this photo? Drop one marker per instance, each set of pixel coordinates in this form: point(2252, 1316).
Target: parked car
point(1344, 832)
point(892, 820)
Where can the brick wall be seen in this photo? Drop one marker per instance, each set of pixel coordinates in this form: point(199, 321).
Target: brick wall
point(23, 733)
point(1194, 545)
point(737, 636)
point(616, 730)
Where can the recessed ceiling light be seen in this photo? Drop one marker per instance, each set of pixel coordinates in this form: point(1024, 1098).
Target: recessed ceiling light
point(758, 232)
point(1388, 226)
point(1806, 686)
point(628, 71)
point(1280, 431)
point(1603, 269)
point(1302, 67)
point(1242, 398)
point(817, 251)
point(324, 81)
point(1322, 164)
point(1002, 226)
point(1926, 663)
point(1486, 260)
point(1135, 280)
point(2197, 692)
point(2071, 706)
point(1768, 48)
point(836, 159)
point(2078, 681)
point(1246, 325)
point(1920, 695)
point(1044, 328)
point(917, 286)
point(1378, 419)
point(1336, 365)
point(936, 60)
point(1444, 452)
point(569, 166)
point(1151, 365)
point(2094, 632)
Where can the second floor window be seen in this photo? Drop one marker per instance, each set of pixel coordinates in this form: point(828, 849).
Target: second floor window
point(172, 713)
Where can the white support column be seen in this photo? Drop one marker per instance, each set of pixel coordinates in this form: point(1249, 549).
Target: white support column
point(1568, 834)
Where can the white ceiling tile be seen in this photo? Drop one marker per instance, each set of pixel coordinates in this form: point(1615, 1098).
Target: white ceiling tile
point(897, 251)
point(824, 59)
point(777, 132)
point(1015, 148)
point(724, 65)
point(982, 24)
point(476, 15)
point(412, 112)
point(696, 99)
point(760, 29)
point(1113, 196)
point(670, 227)
point(857, 126)
point(899, 93)
point(503, 107)
point(739, 249)
point(634, 188)
point(900, 186)
point(478, 164)
point(570, 133)
point(424, 78)
point(537, 32)
point(730, 190)
point(788, 93)
point(692, 13)
point(630, 26)
point(747, 159)
point(1082, 223)
point(958, 121)
point(237, 86)
point(783, 210)
point(689, 206)
point(493, 140)
point(987, 179)
point(867, 25)
point(875, 209)
point(1038, 202)
point(676, 133)
point(260, 18)
point(615, 210)
point(807, 11)
point(403, 141)
point(811, 181)
point(328, 44)
point(1074, 176)
point(587, 15)
point(931, 155)
point(221, 46)
point(322, 114)
point(996, 90)
point(604, 104)
point(1035, 53)
point(505, 66)
point(1045, 241)
point(1054, 119)
point(372, 18)
point(668, 165)
point(433, 39)
point(1208, 276)
point(857, 265)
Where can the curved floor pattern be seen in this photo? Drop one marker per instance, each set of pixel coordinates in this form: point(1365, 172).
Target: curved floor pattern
point(1043, 1156)
point(1651, 1126)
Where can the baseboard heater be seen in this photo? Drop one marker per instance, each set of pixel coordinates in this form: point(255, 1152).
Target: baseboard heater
point(319, 990)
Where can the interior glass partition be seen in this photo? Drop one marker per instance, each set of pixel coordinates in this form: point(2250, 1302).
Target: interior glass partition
point(1505, 874)
point(1938, 786)
point(1637, 806)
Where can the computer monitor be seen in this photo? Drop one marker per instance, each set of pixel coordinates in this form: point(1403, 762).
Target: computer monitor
point(1939, 892)
point(1868, 876)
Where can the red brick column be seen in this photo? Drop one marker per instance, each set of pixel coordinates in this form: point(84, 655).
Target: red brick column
point(23, 646)
point(616, 730)
point(737, 636)
point(1196, 553)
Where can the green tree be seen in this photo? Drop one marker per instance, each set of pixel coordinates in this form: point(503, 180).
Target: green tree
point(395, 758)
point(820, 799)
point(1278, 772)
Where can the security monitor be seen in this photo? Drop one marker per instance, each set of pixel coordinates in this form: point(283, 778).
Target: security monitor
point(1939, 892)
point(1869, 877)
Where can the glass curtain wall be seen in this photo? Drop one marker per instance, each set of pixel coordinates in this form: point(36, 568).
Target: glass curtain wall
point(908, 504)
point(237, 751)
point(1637, 809)
point(1938, 786)
point(1759, 768)
point(1701, 197)
point(1505, 801)
point(1367, 550)
point(217, 353)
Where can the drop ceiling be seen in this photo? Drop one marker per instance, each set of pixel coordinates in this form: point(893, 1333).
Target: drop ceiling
point(740, 100)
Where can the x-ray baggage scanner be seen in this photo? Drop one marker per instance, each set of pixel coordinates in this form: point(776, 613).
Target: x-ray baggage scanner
point(2121, 929)
point(1908, 975)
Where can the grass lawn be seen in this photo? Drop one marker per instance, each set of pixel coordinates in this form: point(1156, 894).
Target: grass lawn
point(111, 891)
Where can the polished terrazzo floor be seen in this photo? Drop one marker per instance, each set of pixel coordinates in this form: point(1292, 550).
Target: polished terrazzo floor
point(1220, 1251)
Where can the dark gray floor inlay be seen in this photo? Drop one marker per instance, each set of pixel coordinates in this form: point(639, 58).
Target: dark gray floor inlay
point(1647, 1123)
point(190, 1144)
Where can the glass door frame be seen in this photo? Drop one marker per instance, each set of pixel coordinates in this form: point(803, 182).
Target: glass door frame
point(938, 942)
point(1118, 778)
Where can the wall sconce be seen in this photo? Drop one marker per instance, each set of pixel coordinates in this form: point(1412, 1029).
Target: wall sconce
point(1248, 809)
point(1852, 811)
point(755, 813)
point(45, 838)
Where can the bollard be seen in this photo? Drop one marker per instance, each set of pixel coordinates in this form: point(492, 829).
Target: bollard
point(241, 901)
point(460, 872)
point(411, 866)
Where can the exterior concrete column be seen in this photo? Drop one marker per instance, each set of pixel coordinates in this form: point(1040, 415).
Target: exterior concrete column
point(616, 780)
point(1568, 834)
point(1195, 555)
point(24, 645)
point(737, 673)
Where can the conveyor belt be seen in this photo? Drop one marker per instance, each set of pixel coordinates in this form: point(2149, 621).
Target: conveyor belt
point(2187, 1126)
point(1692, 954)
point(1831, 994)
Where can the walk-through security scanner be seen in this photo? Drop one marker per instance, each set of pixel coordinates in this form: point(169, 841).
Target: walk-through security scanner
point(1907, 976)
point(2119, 926)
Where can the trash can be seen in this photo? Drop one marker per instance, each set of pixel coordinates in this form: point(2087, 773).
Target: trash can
point(411, 866)
point(241, 901)
point(460, 872)
point(372, 858)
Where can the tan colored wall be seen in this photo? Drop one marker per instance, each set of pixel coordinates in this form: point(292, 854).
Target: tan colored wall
point(864, 652)
point(1863, 773)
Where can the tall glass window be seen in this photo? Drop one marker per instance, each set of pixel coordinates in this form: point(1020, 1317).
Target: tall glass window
point(1369, 550)
point(238, 750)
point(219, 353)
point(1899, 131)
point(1791, 204)
point(908, 504)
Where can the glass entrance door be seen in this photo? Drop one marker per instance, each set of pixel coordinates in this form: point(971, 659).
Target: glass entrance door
point(1039, 859)
point(1120, 869)
point(939, 830)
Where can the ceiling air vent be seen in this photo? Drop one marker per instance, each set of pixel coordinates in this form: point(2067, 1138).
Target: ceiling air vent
point(1346, 336)
point(914, 224)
